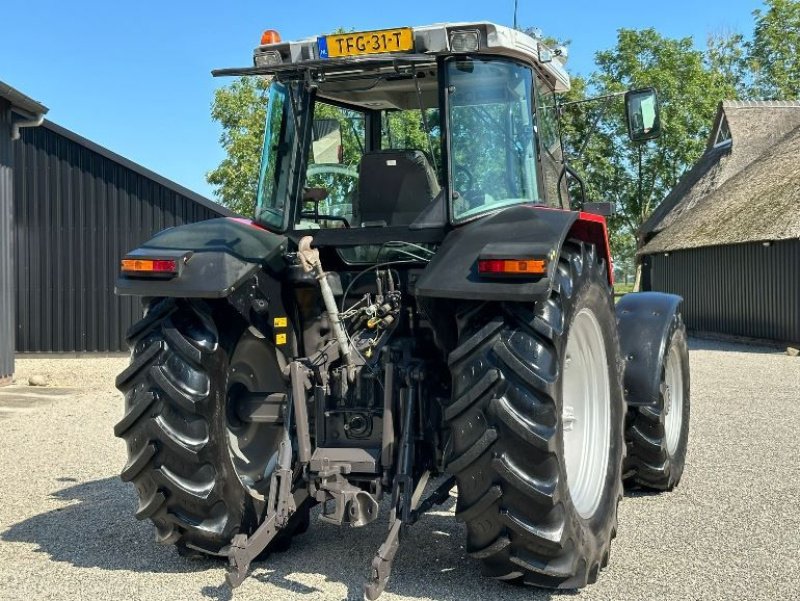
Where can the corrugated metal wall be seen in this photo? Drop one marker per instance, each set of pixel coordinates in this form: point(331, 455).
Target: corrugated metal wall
point(78, 209)
point(747, 290)
point(6, 271)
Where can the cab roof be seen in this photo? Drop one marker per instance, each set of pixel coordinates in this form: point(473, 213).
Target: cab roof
point(297, 58)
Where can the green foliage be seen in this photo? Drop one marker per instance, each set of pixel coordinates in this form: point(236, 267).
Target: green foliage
point(773, 51)
point(726, 54)
point(689, 91)
point(240, 109)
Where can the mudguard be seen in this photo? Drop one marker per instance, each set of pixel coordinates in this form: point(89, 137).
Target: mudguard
point(645, 321)
point(215, 257)
point(531, 231)
point(519, 231)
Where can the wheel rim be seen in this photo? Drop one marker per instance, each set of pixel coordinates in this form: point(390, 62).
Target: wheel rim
point(586, 413)
point(253, 446)
point(673, 400)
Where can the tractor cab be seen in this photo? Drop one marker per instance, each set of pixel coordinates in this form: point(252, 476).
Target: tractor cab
point(409, 129)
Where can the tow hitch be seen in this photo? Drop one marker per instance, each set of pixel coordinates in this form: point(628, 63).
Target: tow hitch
point(328, 484)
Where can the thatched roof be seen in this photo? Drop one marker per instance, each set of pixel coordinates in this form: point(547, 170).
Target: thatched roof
point(742, 190)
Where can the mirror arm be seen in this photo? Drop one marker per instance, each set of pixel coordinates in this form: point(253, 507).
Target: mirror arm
point(592, 129)
point(595, 99)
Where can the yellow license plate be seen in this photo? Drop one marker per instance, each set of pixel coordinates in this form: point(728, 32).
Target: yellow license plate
point(366, 42)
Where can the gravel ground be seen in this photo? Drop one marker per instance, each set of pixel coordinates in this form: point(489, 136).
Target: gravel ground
point(730, 531)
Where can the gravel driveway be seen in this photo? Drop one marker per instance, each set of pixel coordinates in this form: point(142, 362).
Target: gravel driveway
point(730, 531)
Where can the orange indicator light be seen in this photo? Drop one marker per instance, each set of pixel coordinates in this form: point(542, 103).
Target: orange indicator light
point(512, 266)
point(270, 36)
point(149, 266)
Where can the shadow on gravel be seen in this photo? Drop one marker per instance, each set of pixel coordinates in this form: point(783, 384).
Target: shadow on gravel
point(431, 563)
point(97, 530)
point(634, 492)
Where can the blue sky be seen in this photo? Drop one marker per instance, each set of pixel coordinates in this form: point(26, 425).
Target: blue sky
point(134, 76)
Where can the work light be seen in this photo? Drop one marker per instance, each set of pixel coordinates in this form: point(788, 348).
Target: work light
point(464, 41)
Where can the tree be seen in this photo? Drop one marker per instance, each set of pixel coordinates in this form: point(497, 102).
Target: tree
point(773, 51)
point(636, 177)
point(726, 54)
point(240, 109)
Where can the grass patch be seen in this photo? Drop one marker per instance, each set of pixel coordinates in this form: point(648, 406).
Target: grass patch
point(622, 288)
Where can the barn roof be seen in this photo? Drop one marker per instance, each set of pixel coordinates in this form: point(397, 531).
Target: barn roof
point(745, 188)
point(20, 101)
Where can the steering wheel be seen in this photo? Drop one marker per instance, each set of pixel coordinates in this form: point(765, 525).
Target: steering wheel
point(339, 181)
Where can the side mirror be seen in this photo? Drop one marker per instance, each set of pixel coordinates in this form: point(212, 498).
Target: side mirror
point(642, 114)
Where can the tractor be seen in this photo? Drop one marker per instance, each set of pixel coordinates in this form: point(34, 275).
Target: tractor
point(414, 307)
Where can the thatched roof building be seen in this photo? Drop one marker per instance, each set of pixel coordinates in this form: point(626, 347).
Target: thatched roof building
point(727, 238)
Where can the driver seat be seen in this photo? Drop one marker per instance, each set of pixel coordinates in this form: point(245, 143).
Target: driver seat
point(394, 186)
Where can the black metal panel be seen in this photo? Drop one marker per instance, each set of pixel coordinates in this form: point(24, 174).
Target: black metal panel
point(528, 231)
point(78, 209)
point(750, 290)
point(6, 249)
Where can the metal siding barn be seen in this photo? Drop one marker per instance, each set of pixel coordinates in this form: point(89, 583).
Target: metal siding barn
point(6, 272)
point(78, 209)
point(727, 238)
point(748, 290)
point(17, 111)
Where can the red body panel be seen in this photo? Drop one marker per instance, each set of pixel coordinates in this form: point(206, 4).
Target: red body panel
point(593, 229)
point(590, 228)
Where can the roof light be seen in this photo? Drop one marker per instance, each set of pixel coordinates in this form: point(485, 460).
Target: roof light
point(464, 41)
point(512, 266)
point(149, 266)
point(270, 36)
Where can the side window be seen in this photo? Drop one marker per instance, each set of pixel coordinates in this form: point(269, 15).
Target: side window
point(337, 145)
point(550, 143)
point(276, 157)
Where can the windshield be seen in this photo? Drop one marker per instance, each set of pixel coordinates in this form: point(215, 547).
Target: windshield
point(492, 144)
point(273, 179)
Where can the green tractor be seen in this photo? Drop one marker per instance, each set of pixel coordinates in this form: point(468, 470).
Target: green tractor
point(413, 307)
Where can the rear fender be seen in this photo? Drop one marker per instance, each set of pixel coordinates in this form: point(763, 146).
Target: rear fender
point(521, 231)
point(215, 258)
point(645, 321)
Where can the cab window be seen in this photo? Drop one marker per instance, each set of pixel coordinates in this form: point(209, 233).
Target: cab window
point(492, 143)
point(406, 130)
point(337, 145)
point(276, 157)
point(550, 155)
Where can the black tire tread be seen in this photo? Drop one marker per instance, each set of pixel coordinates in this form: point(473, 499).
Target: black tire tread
point(503, 428)
point(185, 486)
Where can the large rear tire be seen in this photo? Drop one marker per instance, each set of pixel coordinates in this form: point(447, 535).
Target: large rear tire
point(658, 437)
point(201, 475)
point(540, 505)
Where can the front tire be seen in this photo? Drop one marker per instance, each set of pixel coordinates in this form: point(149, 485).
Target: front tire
point(196, 480)
point(520, 476)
